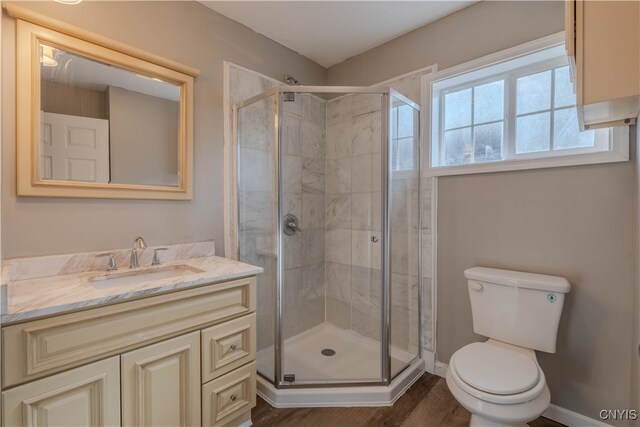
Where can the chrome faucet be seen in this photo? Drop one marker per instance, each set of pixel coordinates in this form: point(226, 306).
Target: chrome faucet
point(138, 243)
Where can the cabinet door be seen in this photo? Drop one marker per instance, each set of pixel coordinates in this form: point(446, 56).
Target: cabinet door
point(161, 383)
point(85, 396)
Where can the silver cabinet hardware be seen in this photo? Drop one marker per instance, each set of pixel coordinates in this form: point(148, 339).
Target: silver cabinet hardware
point(111, 264)
point(233, 397)
point(156, 256)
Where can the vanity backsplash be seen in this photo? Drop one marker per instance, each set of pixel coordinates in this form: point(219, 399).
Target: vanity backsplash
point(55, 265)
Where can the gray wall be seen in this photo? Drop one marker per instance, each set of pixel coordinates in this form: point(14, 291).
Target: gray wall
point(475, 31)
point(143, 138)
point(186, 32)
point(574, 222)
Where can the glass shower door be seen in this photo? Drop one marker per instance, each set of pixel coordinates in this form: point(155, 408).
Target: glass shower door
point(331, 173)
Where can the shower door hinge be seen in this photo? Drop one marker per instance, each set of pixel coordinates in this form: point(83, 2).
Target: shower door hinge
point(288, 96)
point(290, 378)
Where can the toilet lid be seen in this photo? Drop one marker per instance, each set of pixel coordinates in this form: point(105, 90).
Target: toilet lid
point(495, 369)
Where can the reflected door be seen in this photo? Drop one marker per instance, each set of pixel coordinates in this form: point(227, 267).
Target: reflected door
point(74, 148)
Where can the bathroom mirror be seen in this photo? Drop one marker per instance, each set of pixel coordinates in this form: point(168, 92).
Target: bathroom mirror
point(99, 119)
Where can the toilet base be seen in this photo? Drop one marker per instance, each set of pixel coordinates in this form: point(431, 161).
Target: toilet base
point(478, 421)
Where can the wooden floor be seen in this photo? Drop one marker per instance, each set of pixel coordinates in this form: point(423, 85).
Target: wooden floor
point(427, 403)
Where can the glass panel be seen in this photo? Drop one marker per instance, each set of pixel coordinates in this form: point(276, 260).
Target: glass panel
point(532, 133)
point(257, 215)
point(566, 133)
point(564, 95)
point(487, 142)
point(488, 102)
point(405, 241)
point(457, 109)
point(533, 93)
point(457, 146)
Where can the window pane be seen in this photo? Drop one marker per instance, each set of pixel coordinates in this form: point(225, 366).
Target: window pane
point(532, 133)
point(566, 133)
point(457, 109)
point(534, 92)
point(487, 142)
point(405, 121)
point(457, 146)
point(564, 95)
point(488, 102)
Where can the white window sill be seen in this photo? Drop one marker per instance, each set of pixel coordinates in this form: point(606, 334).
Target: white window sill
point(620, 153)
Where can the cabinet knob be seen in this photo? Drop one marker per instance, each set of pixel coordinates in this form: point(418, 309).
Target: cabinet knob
point(233, 397)
point(233, 347)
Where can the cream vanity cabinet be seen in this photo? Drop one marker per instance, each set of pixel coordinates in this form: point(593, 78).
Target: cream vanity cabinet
point(603, 44)
point(185, 358)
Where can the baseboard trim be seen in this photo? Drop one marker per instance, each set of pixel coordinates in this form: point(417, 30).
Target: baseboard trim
point(441, 369)
point(553, 412)
point(570, 418)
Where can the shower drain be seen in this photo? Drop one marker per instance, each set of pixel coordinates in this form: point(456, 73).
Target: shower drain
point(328, 352)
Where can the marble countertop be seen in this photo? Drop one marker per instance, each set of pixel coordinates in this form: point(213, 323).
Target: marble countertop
point(46, 296)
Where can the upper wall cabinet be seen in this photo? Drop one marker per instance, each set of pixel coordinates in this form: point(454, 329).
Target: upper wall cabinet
point(99, 119)
point(603, 43)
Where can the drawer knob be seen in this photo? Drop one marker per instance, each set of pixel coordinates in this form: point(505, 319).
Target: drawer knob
point(233, 347)
point(233, 397)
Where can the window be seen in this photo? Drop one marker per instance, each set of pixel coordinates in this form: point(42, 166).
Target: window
point(513, 110)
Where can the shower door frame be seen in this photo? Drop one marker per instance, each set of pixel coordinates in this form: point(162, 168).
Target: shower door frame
point(385, 341)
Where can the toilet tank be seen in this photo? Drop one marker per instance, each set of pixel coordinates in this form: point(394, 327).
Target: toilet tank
point(518, 308)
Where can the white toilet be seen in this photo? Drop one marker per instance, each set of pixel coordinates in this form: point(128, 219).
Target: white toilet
point(499, 381)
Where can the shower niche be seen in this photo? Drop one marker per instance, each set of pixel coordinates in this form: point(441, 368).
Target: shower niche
point(328, 191)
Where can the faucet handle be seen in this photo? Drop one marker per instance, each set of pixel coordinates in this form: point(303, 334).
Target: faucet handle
point(156, 256)
point(111, 264)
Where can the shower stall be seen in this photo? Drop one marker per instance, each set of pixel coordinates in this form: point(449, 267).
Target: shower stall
point(328, 192)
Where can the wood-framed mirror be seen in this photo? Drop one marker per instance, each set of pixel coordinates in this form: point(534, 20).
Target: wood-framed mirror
point(97, 118)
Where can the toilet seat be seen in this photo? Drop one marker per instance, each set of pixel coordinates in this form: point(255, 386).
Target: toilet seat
point(496, 370)
point(497, 374)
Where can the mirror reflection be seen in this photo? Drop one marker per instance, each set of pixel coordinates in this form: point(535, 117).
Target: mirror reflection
point(105, 124)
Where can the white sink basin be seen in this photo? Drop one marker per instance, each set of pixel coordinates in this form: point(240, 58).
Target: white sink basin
point(126, 278)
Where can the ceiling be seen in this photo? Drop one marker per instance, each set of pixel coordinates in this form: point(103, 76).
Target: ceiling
point(79, 71)
point(328, 32)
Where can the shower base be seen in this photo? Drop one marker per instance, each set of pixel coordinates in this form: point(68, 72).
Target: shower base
point(356, 359)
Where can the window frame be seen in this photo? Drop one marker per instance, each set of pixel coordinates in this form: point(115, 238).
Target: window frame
point(611, 145)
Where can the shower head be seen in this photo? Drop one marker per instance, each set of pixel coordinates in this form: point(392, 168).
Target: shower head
point(290, 80)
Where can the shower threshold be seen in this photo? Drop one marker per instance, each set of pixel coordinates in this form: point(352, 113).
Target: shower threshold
point(356, 358)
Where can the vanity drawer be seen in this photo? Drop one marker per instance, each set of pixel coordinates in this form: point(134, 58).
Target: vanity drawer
point(42, 347)
point(228, 346)
point(229, 396)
